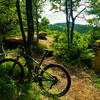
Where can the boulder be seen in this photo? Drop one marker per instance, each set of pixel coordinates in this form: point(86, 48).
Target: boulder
point(43, 36)
point(12, 43)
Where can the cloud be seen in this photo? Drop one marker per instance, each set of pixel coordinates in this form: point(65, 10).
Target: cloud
point(60, 17)
point(55, 17)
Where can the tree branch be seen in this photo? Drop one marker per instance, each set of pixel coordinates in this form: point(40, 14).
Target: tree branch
point(79, 13)
point(71, 9)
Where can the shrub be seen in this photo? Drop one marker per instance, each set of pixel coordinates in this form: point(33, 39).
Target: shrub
point(94, 34)
point(11, 91)
point(96, 80)
point(8, 89)
point(2, 55)
point(38, 48)
point(77, 54)
point(28, 92)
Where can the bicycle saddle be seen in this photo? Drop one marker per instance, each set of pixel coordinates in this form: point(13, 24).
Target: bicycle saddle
point(50, 52)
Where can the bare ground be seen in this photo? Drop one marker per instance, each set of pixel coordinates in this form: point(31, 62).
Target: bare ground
point(81, 86)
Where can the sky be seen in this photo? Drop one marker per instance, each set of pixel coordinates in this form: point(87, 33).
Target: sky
point(60, 17)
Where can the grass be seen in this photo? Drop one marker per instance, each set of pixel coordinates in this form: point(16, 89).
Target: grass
point(29, 92)
point(38, 48)
point(96, 81)
point(8, 89)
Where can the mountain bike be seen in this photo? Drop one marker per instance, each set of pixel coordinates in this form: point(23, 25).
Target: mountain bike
point(54, 79)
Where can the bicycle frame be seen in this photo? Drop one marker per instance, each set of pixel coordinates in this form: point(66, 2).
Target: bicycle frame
point(38, 65)
point(29, 58)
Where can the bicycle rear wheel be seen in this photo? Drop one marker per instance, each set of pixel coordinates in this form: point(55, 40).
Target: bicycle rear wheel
point(12, 68)
point(55, 80)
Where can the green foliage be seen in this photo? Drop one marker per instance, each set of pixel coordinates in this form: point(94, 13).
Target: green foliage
point(44, 24)
point(8, 17)
point(59, 5)
point(56, 28)
point(94, 9)
point(77, 54)
point(8, 90)
point(94, 35)
point(28, 92)
point(38, 48)
point(96, 80)
point(2, 55)
point(61, 27)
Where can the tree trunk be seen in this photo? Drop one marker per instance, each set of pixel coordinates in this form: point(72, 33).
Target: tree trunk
point(72, 30)
point(37, 24)
point(67, 22)
point(30, 25)
point(73, 20)
point(30, 38)
point(21, 23)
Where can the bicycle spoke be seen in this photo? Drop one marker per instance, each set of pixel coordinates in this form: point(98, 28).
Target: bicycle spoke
point(12, 69)
point(59, 83)
point(47, 79)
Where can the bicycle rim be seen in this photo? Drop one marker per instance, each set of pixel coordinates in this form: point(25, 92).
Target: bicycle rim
point(12, 68)
point(63, 83)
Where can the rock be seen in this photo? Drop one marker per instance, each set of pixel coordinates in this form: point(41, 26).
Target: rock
point(43, 36)
point(12, 43)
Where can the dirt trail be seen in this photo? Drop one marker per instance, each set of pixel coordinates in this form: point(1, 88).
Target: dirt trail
point(81, 86)
point(47, 42)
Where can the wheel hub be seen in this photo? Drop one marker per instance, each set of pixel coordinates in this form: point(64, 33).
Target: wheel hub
point(54, 82)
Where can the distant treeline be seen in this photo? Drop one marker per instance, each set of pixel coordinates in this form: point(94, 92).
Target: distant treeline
point(61, 27)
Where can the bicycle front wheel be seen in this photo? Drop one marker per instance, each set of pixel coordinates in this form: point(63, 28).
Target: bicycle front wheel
point(12, 68)
point(55, 80)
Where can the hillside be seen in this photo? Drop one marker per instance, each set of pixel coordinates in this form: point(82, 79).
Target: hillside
point(61, 27)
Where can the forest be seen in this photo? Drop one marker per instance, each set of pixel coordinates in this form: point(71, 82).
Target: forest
point(44, 61)
point(78, 27)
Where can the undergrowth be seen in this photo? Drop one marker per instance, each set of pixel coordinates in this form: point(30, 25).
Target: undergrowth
point(96, 80)
point(38, 48)
point(78, 53)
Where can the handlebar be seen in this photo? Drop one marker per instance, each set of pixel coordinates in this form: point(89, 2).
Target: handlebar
point(48, 53)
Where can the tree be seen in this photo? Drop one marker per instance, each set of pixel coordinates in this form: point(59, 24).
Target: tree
point(69, 7)
point(21, 24)
point(8, 16)
point(28, 45)
point(30, 25)
point(36, 15)
point(37, 10)
point(44, 24)
point(94, 9)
